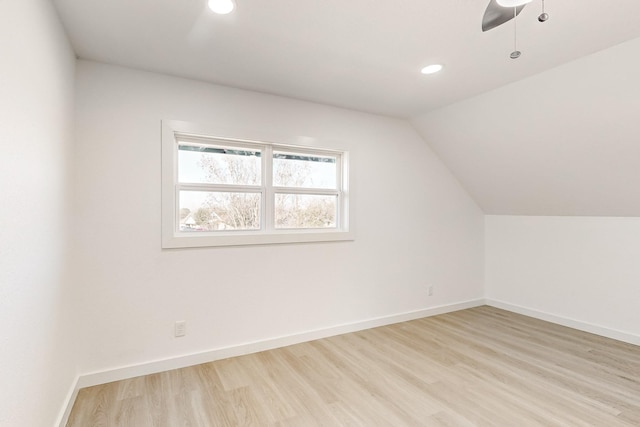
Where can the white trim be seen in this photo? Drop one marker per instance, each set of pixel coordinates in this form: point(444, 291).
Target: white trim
point(67, 405)
point(565, 321)
point(152, 367)
point(240, 239)
point(172, 131)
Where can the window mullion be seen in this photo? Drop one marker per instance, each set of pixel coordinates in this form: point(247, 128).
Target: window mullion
point(226, 188)
point(268, 196)
point(340, 173)
point(310, 191)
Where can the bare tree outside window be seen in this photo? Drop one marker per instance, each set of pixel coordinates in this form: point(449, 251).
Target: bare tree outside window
point(230, 210)
point(305, 211)
point(235, 176)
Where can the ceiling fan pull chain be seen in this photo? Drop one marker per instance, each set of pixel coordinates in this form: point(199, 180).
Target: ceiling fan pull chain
point(543, 16)
point(516, 53)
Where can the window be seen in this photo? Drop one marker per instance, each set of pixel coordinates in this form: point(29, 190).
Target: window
point(220, 191)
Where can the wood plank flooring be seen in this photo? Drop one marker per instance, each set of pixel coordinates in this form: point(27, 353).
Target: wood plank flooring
point(477, 367)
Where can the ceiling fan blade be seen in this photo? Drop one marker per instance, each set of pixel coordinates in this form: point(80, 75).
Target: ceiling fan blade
point(497, 15)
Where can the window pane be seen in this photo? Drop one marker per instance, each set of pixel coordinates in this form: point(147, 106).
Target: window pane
point(215, 211)
point(304, 170)
point(198, 164)
point(305, 211)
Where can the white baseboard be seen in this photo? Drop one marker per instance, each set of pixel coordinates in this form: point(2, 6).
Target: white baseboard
point(67, 405)
point(152, 367)
point(565, 321)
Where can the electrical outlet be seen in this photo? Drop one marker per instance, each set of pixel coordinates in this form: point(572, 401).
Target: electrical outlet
point(430, 290)
point(180, 328)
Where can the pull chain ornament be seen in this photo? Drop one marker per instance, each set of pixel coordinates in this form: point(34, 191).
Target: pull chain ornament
point(516, 53)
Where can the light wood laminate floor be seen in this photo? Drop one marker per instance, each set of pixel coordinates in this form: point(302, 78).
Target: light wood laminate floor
point(477, 367)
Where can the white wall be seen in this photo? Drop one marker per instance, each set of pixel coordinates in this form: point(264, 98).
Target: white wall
point(580, 271)
point(415, 226)
point(37, 354)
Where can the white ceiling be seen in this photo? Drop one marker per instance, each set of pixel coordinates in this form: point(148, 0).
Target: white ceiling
point(360, 54)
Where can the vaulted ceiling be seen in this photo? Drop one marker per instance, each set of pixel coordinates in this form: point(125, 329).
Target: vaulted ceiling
point(551, 133)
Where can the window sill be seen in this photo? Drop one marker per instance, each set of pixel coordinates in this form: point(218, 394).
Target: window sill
point(242, 239)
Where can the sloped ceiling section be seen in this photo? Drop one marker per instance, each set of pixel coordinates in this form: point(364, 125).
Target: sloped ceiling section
point(563, 142)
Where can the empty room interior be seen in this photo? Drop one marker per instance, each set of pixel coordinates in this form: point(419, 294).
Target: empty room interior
point(301, 213)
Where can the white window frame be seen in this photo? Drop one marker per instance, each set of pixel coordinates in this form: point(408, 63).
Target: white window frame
point(175, 131)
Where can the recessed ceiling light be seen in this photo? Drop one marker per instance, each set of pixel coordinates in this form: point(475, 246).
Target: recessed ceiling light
point(430, 69)
point(221, 7)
